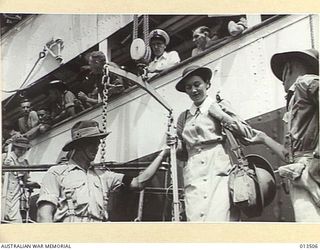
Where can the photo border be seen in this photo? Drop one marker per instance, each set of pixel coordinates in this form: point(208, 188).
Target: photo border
point(161, 232)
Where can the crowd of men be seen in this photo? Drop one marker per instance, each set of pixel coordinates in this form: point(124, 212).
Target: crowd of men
point(63, 102)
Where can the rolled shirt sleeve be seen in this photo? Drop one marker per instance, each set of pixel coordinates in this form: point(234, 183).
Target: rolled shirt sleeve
point(69, 99)
point(49, 190)
point(112, 180)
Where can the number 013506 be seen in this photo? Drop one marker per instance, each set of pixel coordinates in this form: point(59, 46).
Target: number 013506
point(309, 246)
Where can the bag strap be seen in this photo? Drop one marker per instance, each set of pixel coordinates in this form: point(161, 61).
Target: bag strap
point(70, 203)
point(236, 149)
point(184, 118)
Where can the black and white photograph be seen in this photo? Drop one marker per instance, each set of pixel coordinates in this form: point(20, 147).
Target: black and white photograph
point(171, 118)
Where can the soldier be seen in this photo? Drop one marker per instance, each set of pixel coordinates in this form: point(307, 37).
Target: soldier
point(13, 182)
point(299, 72)
point(78, 192)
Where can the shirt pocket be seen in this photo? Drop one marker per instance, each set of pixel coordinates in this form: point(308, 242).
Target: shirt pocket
point(77, 190)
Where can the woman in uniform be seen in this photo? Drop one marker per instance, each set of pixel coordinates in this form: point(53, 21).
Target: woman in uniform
point(201, 142)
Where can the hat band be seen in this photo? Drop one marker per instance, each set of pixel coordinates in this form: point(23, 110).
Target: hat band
point(84, 132)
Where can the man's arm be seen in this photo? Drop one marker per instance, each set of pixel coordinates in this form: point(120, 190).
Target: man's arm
point(49, 195)
point(248, 134)
point(33, 132)
point(224, 113)
point(69, 103)
point(82, 96)
point(261, 137)
point(141, 180)
point(33, 116)
point(314, 168)
point(45, 212)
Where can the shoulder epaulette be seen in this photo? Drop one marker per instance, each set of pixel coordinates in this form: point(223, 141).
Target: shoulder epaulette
point(61, 168)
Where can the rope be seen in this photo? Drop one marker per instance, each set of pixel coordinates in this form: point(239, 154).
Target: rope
point(42, 55)
point(105, 82)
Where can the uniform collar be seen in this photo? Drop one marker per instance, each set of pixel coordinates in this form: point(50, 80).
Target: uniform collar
point(72, 165)
point(204, 107)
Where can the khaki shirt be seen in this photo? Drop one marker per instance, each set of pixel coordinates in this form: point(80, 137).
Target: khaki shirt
point(302, 117)
point(88, 189)
point(11, 190)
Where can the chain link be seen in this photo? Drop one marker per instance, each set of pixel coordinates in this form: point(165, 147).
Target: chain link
point(105, 82)
point(146, 29)
point(311, 31)
point(135, 27)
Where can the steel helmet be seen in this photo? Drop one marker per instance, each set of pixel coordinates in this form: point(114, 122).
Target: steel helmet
point(263, 185)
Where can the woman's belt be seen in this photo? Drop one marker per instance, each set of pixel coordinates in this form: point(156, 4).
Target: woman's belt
point(204, 145)
point(210, 142)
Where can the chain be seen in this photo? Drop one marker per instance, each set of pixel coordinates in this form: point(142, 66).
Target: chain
point(311, 31)
point(147, 54)
point(135, 27)
point(105, 82)
point(146, 29)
